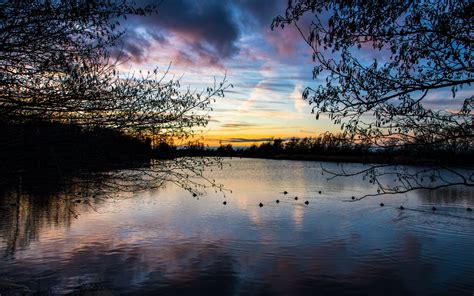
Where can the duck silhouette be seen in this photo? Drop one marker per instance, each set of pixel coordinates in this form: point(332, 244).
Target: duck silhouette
point(260, 204)
point(224, 203)
point(296, 197)
point(469, 209)
point(306, 202)
point(277, 201)
point(433, 208)
point(402, 208)
point(381, 204)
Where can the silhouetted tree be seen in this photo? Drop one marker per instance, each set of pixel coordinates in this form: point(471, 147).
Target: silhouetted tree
point(420, 47)
point(56, 66)
point(225, 150)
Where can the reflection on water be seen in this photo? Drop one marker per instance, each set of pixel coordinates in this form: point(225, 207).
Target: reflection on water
point(167, 242)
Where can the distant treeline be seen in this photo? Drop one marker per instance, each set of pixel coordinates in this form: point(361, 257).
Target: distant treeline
point(331, 148)
point(66, 148)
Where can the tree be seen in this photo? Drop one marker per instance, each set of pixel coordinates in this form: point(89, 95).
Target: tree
point(46, 46)
point(419, 47)
point(56, 65)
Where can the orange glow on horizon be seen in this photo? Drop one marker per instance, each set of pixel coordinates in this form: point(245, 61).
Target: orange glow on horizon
point(250, 138)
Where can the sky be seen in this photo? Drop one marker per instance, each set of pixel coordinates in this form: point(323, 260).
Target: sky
point(205, 40)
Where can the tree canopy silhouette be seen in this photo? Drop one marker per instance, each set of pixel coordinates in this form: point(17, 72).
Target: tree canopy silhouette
point(59, 64)
point(418, 47)
point(56, 64)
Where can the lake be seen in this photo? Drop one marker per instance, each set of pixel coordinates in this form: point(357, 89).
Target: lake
point(167, 242)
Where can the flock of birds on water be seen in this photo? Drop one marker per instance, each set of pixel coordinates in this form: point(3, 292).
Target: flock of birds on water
point(434, 209)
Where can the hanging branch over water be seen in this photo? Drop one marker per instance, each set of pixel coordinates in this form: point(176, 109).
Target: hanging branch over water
point(57, 66)
point(419, 48)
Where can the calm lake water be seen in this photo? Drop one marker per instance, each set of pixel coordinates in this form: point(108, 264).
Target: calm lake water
point(165, 242)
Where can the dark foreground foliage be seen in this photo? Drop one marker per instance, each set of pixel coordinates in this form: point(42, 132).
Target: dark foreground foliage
point(50, 157)
point(63, 147)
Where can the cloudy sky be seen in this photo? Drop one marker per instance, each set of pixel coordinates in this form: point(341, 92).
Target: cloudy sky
point(206, 39)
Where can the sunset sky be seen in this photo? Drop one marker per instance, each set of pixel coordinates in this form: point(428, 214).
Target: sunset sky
point(269, 69)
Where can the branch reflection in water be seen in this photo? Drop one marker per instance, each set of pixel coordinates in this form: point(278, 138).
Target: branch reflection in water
point(164, 241)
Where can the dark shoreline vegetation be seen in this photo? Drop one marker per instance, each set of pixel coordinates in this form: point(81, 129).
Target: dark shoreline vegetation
point(67, 149)
point(333, 149)
point(47, 158)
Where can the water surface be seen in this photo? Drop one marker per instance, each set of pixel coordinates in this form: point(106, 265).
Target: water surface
point(167, 242)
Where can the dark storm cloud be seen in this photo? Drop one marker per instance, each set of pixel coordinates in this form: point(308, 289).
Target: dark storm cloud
point(210, 21)
point(262, 11)
point(158, 36)
point(208, 29)
point(134, 48)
